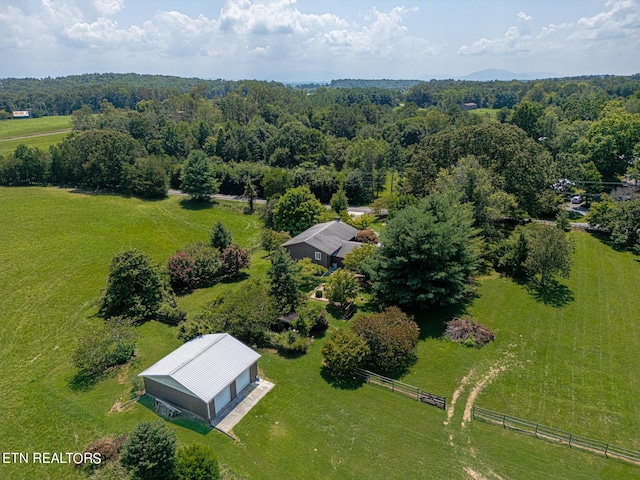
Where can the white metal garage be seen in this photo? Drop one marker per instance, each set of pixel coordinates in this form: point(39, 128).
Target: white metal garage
point(203, 375)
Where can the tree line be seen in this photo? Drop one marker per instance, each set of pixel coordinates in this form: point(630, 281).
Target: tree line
point(371, 143)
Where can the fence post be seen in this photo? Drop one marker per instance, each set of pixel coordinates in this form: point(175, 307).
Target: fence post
point(606, 450)
point(537, 425)
point(504, 417)
point(473, 412)
point(570, 437)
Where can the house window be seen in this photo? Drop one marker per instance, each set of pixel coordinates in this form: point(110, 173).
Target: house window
point(319, 256)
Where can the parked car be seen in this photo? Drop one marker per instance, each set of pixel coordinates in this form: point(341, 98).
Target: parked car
point(576, 199)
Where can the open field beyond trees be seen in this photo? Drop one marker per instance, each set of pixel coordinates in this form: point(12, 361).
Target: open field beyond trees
point(33, 132)
point(568, 359)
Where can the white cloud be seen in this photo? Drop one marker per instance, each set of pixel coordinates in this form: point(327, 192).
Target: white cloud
point(261, 38)
point(612, 30)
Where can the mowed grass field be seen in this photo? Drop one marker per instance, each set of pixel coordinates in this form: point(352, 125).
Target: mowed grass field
point(33, 132)
point(571, 363)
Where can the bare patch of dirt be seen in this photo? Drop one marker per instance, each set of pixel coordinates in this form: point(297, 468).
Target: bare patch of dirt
point(456, 394)
point(473, 474)
point(35, 358)
point(493, 373)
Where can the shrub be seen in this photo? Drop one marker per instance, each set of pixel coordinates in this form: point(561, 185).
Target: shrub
point(100, 349)
point(271, 240)
point(344, 352)
point(361, 222)
point(392, 338)
point(367, 236)
point(233, 259)
point(245, 313)
point(182, 272)
point(468, 332)
point(318, 293)
point(290, 342)
point(197, 462)
point(195, 266)
point(341, 287)
point(207, 263)
point(149, 452)
point(312, 317)
point(171, 314)
point(107, 448)
point(310, 273)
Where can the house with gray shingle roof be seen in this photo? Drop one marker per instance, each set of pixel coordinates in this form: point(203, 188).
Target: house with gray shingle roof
point(203, 375)
point(325, 244)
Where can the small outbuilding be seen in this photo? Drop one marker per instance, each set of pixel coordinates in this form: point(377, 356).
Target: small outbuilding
point(203, 375)
point(325, 243)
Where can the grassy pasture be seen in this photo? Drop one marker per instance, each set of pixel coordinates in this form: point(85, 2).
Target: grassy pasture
point(33, 132)
point(571, 363)
point(33, 126)
point(486, 113)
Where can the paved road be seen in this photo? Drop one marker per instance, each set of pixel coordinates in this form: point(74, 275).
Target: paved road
point(239, 198)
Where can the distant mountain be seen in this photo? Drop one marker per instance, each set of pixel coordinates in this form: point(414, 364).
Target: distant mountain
point(505, 75)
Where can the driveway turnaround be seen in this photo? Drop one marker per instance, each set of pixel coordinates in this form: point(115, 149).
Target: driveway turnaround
point(240, 406)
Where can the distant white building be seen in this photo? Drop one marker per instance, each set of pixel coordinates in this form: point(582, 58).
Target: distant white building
point(21, 114)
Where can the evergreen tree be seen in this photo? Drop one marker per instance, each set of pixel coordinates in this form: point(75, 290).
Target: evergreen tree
point(198, 176)
point(220, 237)
point(285, 281)
point(150, 451)
point(428, 254)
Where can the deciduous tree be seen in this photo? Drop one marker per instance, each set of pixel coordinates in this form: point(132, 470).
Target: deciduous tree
point(549, 252)
point(344, 351)
point(297, 210)
point(392, 338)
point(135, 287)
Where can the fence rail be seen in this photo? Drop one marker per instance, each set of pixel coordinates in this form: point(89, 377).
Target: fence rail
point(403, 388)
point(554, 435)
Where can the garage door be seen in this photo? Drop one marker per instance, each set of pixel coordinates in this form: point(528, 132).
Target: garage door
point(243, 380)
point(222, 399)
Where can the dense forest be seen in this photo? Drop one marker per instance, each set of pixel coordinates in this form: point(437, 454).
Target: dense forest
point(385, 141)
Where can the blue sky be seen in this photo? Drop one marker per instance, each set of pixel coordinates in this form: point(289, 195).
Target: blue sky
point(318, 39)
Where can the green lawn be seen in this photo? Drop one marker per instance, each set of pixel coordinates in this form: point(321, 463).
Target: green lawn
point(487, 113)
point(574, 367)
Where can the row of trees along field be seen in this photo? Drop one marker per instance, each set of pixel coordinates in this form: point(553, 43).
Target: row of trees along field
point(367, 141)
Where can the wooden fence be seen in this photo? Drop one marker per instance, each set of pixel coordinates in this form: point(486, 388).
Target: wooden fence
point(555, 435)
point(403, 388)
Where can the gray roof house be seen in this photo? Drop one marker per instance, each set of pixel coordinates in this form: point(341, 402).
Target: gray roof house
point(203, 375)
point(325, 244)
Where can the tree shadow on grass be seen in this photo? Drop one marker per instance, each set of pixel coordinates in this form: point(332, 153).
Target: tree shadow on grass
point(184, 420)
point(432, 322)
point(553, 294)
point(192, 205)
point(83, 382)
point(350, 382)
